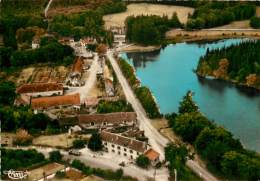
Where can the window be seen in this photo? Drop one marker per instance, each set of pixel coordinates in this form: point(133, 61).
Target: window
point(125, 149)
point(113, 145)
point(92, 123)
point(137, 153)
point(131, 151)
point(131, 156)
point(105, 123)
point(113, 151)
point(119, 153)
point(105, 143)
point(118, 147)
point(125, 154)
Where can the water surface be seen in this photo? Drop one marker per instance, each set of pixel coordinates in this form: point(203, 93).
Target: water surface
point(169, 74)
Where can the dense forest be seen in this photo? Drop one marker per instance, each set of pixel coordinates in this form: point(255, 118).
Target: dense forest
point(149, 30)
point(239, 63)
point(52, 52)
point(213, 143)
point(211, 14)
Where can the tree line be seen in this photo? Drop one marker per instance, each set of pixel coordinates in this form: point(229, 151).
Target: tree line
point(114, 106)
point(255, 22)
point(240, 62)
point(213, 143)
point(149, 30)
point(211, 14)
point(142, 93)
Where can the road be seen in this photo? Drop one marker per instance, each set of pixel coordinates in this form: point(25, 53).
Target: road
point(104, 161)
point(156, 140)
point(47, 8)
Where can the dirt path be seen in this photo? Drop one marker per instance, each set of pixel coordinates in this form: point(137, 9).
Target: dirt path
point(118, 19)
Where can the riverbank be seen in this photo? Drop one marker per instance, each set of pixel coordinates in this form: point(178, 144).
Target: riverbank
point(236, 83)
point(179, 35)
point(139, 48)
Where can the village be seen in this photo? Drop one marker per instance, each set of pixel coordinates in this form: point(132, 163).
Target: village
point(71, 95)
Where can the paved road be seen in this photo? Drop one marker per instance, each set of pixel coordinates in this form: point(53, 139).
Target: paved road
point(104, 161)
point(157, 141)
point(89, 82)
point(47, 8)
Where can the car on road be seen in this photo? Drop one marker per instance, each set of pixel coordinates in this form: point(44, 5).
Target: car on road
point(74, 152)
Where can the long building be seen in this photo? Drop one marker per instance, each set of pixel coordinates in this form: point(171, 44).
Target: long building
point(44, 103)
point(107, 120)
point(40, 89)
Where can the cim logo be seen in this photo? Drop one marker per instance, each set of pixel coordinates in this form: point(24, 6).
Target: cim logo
point(15, 175)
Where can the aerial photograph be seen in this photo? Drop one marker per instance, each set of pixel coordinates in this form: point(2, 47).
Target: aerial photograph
point(129, 90)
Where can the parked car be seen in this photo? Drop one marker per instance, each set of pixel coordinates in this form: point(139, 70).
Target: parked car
point(74, 152)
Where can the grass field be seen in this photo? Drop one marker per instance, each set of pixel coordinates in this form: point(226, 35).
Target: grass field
point(118, 19)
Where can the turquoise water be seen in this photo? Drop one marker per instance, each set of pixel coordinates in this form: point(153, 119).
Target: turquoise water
point(169, 74)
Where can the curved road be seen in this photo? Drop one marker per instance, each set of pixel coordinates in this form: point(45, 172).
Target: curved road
point(156, 140)
point(47, 8)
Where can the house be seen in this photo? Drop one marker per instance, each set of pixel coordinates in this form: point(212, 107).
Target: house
point(22, 100)
point(40, 89)
point(87, 41)
point(66, 40)
point(109, 87)
point(153, 156)
point(120, 145)
point(107, 120)
point(91, 102)
point(43, 103)
point(35, 43)
point(119, 39)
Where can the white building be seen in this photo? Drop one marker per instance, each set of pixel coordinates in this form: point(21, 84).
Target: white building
point(123, 146)
point(40, 89)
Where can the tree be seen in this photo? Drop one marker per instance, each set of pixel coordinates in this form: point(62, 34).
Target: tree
point(189, 125)
point(60, 174)
point(7, 93)
point(79, 143)
point(255, 22)
point(22, 137)
point(95, 142)
point(187, 105)
point(142, 161)
point(55, 156)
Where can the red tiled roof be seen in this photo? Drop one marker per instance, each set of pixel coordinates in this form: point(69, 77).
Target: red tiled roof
point(109, 117)
point(45, 102)
point(78, 65)
point(124, 141)
point(152, 154)
point(39, 87)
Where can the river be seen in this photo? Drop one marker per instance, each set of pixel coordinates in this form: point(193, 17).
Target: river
point(169, 74)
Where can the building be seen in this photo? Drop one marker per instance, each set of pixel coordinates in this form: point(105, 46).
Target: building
point(109, 87)
point(35, 43)
point(66, 40)
point(76, 72)
point(40, 89)
point(87, 41)
point(44, 103)
point(124, 146)
point(108, 120)
point(153, 156)
point(119, 39)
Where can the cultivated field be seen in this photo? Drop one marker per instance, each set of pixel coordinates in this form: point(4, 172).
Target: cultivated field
point(147, 9)
point(42, 74)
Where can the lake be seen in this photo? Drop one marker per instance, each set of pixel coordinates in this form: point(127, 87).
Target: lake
point(169, 74)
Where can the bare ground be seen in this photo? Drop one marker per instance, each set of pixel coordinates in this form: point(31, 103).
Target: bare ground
point(118, 19)
point(61, 140)
point(199, 35)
